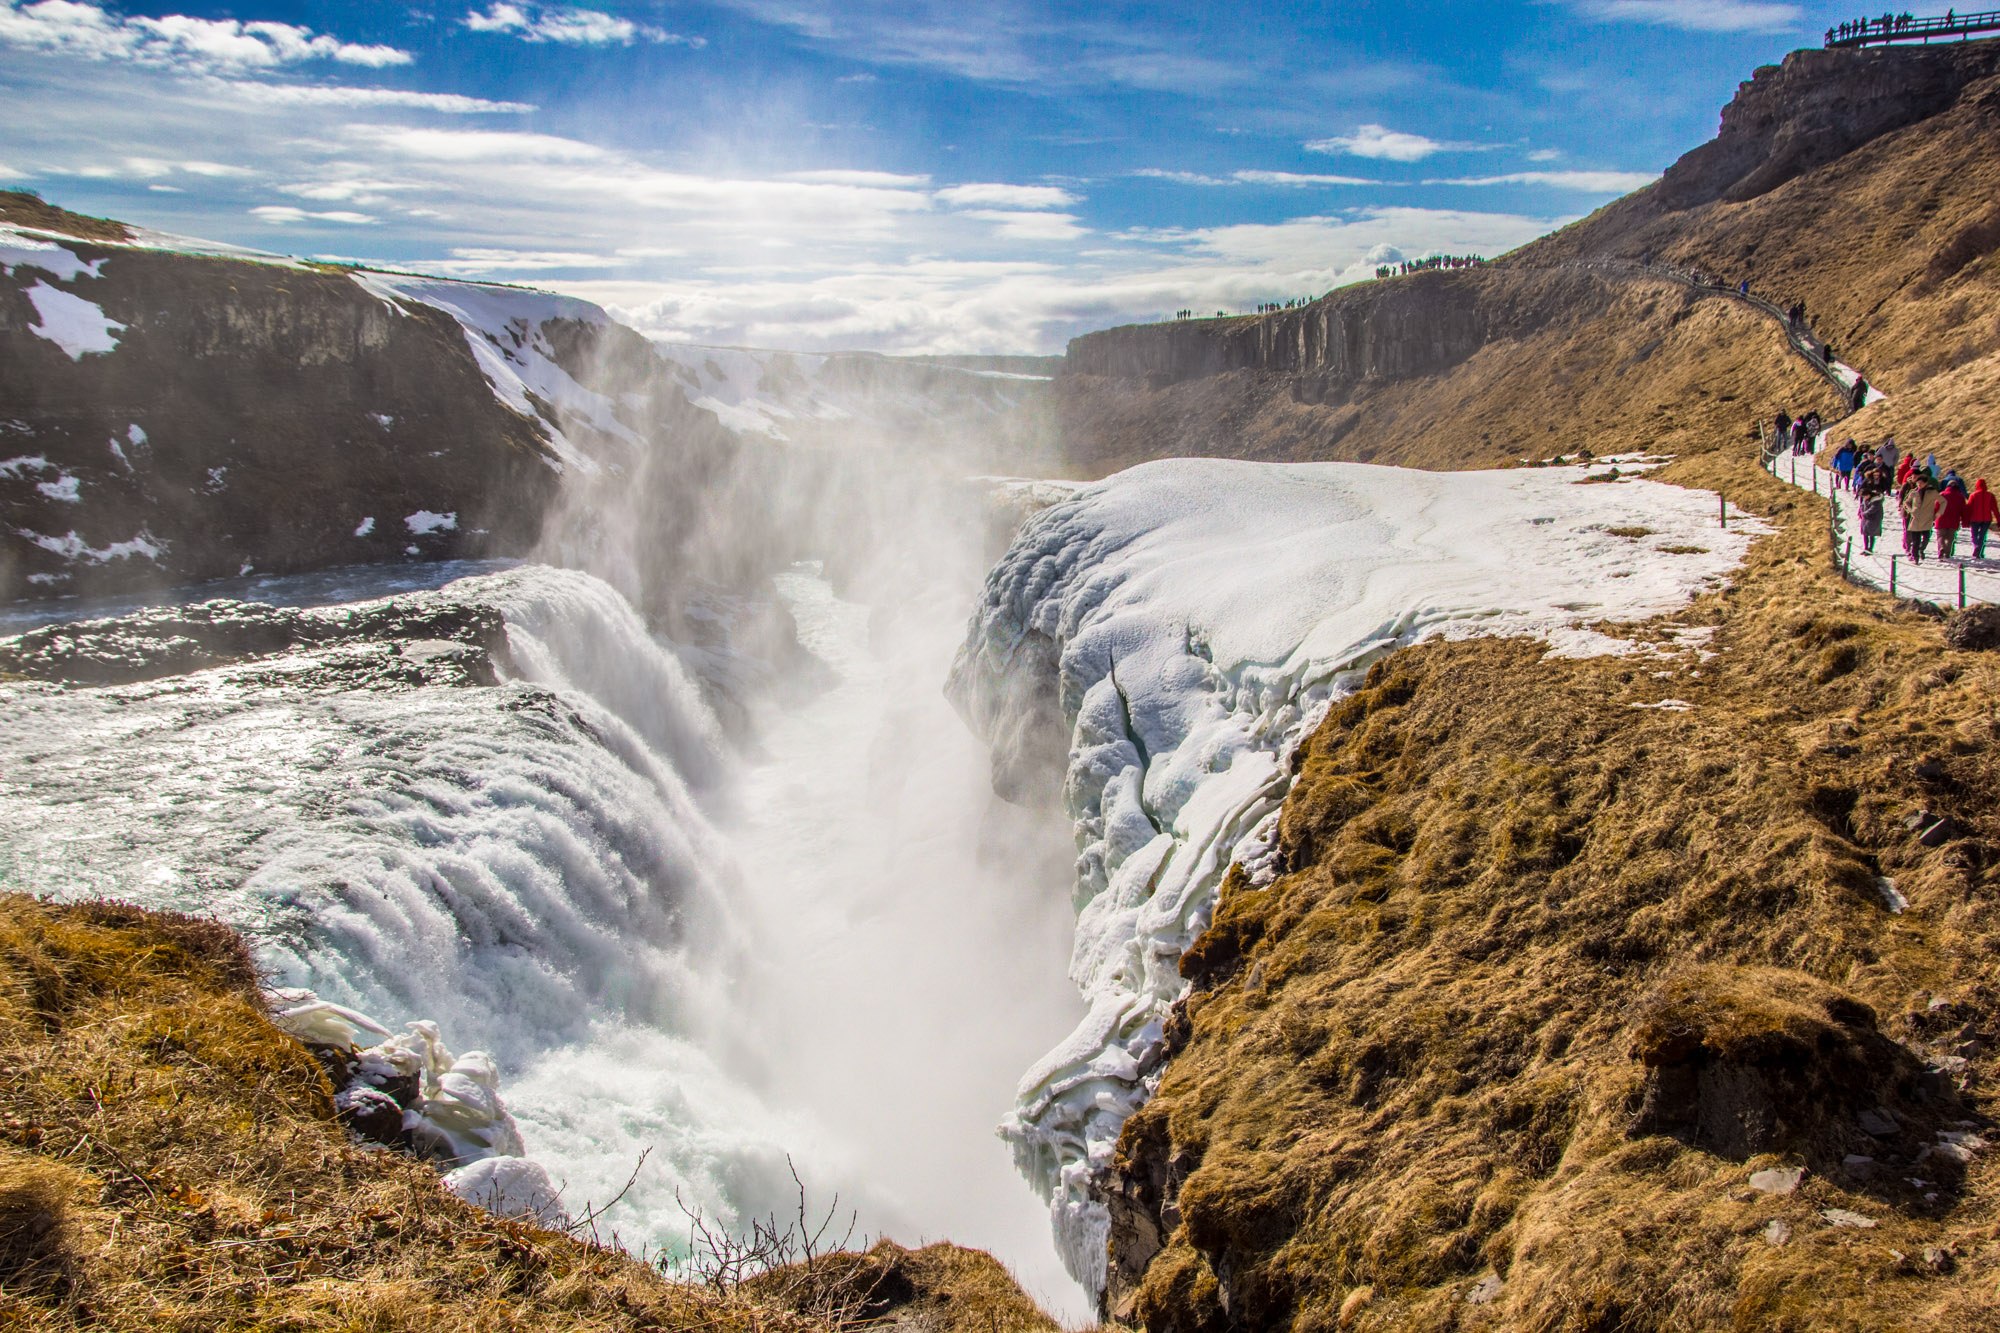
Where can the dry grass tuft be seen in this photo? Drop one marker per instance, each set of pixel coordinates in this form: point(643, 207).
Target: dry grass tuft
point(38, 1232)
point(938, 1289)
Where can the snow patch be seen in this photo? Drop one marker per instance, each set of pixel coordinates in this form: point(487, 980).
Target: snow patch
point(66, 488)
point(79, 327)
point(20, 250)
point(509, 1187)
point(504, 327)
point(423, 523)
point(72, 547)
point(366, 526)
point(14, 467)
point(1192, 619)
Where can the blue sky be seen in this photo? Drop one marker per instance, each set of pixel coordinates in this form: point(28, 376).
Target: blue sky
point(926, 176)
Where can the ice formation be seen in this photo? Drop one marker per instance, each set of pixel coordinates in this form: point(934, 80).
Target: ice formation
point(1181, 626)
point(458, 1116)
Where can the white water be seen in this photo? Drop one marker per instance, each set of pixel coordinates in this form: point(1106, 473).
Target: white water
point(833, 952)
point(913, 931)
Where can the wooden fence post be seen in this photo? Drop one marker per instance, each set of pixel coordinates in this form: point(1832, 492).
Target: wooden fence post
point(1961, 587)
point(1892, 576)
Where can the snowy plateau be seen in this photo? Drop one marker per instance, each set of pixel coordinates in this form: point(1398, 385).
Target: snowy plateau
point(1193, 618)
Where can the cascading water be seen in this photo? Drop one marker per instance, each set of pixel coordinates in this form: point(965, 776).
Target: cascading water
point(667, 949)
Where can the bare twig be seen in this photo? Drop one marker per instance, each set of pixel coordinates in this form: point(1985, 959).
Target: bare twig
point(592, 1212)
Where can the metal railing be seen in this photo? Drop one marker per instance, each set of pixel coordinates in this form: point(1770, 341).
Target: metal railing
point(1957, 580)
point(1909, 28)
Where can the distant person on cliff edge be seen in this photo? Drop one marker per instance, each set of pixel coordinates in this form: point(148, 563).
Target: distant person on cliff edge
point(1981, 513)
point(1859, 398)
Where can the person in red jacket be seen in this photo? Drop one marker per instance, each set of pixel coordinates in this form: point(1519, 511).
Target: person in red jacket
point(1981, 513)
point(1952, 504)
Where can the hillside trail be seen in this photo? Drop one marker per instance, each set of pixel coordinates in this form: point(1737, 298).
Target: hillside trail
point(1941, 580)
point(1798, 336)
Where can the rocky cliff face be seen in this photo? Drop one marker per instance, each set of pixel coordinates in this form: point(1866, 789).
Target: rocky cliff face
point(1419, 326)
point(170, 417)
point(1813, 109)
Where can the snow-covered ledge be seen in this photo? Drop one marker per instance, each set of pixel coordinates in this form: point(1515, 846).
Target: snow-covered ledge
point(1187, 622)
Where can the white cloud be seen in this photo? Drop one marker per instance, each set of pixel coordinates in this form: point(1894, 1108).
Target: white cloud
point(1015, 225)
point(472, 261)
point(151, 168)
point(1294, 178)
point(450, 104)
point(1590, 182)
point(884, 179)
point(1698, 15)
point(1019, 43)
point(281, 215)
point(570, 27)
point(1380, 143)
point(79, 28)
point(500, 146)
point(1006, 196)
point(216, 170)
point(365, 191)
point(1546, 155)
point(1182, 177)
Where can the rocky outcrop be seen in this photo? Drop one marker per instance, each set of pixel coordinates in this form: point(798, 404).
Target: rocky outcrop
point(1412, 327)
point(1815, 107)
point(248, 414)
point(169, 416)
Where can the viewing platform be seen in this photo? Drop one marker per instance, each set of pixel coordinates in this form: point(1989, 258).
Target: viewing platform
point(1910, 28)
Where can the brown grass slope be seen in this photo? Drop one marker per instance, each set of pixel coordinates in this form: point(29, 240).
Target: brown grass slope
point(1865, 183)
point(170, 1161)
point(1551, 974)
